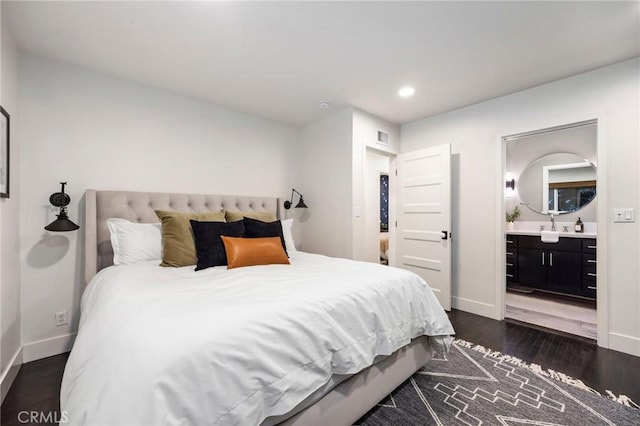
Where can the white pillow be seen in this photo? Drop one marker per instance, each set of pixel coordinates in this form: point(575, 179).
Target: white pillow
point(288, 236)
point(135, 242)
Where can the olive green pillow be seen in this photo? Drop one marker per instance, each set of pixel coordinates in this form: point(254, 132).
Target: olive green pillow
point(236, 216)
point(178, 246)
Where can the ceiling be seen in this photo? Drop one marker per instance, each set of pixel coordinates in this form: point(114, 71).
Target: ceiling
point(279, 60)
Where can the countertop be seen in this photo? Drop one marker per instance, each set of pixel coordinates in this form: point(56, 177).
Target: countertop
point(562, 234)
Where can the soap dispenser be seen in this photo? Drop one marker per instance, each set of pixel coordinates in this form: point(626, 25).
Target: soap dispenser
point(579, 225)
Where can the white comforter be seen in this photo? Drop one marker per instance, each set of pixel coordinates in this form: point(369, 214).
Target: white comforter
point(174, 346)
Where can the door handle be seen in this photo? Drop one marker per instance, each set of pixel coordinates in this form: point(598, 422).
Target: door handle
point(550, 259)
point(444, 235)
point(542, 258)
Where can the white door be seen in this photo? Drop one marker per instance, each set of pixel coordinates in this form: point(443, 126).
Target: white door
point(423, 206)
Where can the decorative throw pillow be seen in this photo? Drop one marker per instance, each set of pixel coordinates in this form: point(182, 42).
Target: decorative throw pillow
point(178, 247)
point(209, 248)
point(258, 229)
point(134, 242)
point(287, 233)
point(253, 251)
point(236, 216)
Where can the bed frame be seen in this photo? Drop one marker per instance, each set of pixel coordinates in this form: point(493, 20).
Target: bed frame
point(344, 403)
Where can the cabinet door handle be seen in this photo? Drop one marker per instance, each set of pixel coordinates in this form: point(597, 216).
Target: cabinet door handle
point(590, 287)
point(509, 276)
point(509, 264)
point(591, 247)
point(591, 274)
point(591, 261)
point(542, 258)
point(509, 242)
point(509, 253)
point(550, 259)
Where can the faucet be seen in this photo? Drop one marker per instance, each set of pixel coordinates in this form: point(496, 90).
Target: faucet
point(553, 223)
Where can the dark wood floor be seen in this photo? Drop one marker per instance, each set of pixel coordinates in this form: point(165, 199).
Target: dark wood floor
point(36, 388)
point(580, 358)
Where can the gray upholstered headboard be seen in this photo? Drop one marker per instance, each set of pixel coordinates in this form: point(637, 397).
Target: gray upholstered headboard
point(140, 206)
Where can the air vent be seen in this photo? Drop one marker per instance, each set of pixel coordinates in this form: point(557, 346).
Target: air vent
point(383, 137)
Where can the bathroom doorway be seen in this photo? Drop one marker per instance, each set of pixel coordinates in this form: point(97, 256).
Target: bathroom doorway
point(377, 204)
point(384, 218)
point(551, 231)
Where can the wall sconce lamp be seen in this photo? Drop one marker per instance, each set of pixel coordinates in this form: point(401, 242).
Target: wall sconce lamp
point(62, 223)
point(511, 183)
point(300, 205)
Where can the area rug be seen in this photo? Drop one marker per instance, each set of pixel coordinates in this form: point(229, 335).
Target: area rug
point(473, 385)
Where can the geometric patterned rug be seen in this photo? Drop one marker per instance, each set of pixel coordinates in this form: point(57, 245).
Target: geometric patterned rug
point(473, 385)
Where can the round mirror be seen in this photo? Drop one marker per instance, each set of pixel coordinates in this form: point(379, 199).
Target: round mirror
point(558, 183)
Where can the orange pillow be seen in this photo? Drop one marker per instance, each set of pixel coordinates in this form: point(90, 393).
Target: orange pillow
point(253, 251)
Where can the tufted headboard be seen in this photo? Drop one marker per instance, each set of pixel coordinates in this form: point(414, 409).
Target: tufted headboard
point(140, 206)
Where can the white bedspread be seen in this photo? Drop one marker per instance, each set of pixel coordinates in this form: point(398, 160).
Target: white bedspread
point(174, 346)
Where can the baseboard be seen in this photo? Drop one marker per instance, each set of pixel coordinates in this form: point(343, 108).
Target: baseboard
point(48, 347)
point(474, 307)
point(623, 343)
point(10, 374)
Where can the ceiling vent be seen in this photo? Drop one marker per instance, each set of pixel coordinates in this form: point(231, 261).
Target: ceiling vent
point(383, 137)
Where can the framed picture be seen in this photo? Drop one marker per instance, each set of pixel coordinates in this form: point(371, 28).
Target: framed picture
point(4, 153)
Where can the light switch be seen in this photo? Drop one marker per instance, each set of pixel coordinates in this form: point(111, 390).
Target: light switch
point(624, 215)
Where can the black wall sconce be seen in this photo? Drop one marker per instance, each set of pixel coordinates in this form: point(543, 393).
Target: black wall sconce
point(300, 205)
point(62, 223)
point(511, 184)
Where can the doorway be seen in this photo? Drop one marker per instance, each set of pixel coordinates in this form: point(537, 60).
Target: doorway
point(377, 206)
point(419, 226)
point(551, 279)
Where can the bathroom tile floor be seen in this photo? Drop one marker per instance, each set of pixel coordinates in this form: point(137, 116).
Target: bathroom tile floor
point(570, 316)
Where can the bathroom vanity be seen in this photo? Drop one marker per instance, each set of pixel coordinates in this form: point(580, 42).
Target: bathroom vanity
point(567, 267)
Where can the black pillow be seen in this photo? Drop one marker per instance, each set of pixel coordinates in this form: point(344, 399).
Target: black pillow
point(258, 229)
point(209, 247)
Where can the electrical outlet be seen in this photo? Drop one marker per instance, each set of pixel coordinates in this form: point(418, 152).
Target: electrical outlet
point(61, 318)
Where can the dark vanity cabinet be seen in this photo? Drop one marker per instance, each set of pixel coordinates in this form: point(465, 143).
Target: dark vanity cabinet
point(567, 267)
point(512, 260)
point(589, 267)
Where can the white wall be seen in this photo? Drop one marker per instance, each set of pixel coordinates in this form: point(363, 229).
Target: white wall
point(475, 131)
point(365, 128)
point(101, 132)
point(10, 349)
point(331, 174)
point(324, 174)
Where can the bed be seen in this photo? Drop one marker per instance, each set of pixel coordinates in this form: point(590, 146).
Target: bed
point(319, 341)
point(384, 247)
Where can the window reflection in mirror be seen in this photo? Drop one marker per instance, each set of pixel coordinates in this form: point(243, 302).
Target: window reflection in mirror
point(558, 183)
point(568, 187)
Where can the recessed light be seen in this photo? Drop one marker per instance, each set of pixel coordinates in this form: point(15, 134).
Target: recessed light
point(407, 91)
point(324, 105)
